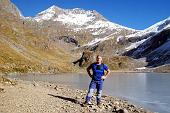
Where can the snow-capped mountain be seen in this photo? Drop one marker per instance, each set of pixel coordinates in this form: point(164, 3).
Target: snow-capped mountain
point(156, 47)
point(130, 42)
point(49, 30)
point(138, 38)
point(153, 29)
point(79, 19)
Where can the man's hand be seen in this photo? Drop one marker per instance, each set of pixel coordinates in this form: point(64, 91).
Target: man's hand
point(91, 75)
point(104, 77)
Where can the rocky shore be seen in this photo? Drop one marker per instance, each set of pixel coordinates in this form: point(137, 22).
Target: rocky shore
point(19, 96)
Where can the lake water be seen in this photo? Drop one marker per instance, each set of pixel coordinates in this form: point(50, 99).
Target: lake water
point(149, 90)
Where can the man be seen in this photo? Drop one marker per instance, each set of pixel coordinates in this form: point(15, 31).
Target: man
point(98, 76)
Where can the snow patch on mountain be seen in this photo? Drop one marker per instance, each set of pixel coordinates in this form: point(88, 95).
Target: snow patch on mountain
point(105, 24)
point(47, 16)
point(100, 23)
point(98, 40)
point(75, 19)
point(135, 45)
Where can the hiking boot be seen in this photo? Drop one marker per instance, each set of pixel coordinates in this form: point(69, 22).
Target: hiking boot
point(99, 104)
point(86, 104)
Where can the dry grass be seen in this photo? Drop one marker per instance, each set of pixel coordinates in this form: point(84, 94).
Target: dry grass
point(24, 50)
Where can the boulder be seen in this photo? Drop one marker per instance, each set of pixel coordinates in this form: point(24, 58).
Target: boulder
point(86, 59)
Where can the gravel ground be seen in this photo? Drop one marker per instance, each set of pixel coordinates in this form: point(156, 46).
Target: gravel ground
point(40, 97)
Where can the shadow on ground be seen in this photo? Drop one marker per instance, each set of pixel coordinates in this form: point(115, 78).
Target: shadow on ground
point(66, 99)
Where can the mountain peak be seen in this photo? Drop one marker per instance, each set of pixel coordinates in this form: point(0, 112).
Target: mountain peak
point(81, 19)
point(51, 10)
point(55, 7)
point(48, 13)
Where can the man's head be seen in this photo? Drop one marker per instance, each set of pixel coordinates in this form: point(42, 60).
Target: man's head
point(99, 59)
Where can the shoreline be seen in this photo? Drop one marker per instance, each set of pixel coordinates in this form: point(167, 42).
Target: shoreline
point(43, 97)
point(83, 72)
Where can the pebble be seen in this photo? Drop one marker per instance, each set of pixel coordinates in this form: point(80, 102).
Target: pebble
point(54, 104)
point(2, 90)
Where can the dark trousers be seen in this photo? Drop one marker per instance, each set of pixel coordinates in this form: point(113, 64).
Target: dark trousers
point(95, 85)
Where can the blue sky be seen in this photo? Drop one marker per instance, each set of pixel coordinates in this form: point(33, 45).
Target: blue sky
point(137, 14)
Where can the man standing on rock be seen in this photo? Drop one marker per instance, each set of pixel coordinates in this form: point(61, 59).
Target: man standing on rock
point(98, 76)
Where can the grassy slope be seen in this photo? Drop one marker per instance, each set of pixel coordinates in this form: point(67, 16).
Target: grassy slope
point(20, 53)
